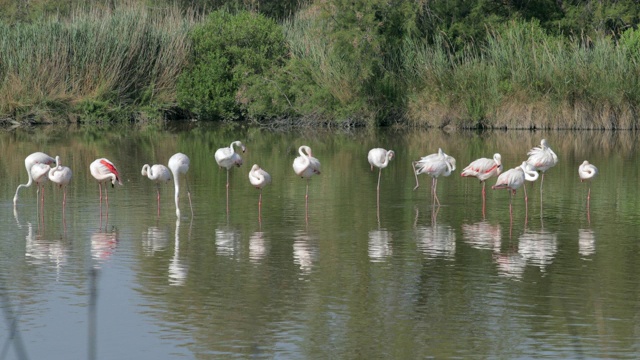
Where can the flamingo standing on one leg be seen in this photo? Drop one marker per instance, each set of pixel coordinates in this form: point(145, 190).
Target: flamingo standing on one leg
point(306, 166)
point(61, 175)
point(104, 171)
point(513, 179)
point(484, 169)
point(29, 162)
point(158, 173)
point(434, 165)
point(587, 172)
point(259, 178)
point(179, 164)
point(227, 158)
point(542, 158)
point(380, 158)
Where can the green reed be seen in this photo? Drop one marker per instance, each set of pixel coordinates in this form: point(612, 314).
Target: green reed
point(128, 56)
point(524, 78)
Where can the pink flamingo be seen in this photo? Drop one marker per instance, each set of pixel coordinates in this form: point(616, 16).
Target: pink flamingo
point(514, 178)
point(542, 158)
point(484, 169)
point(157, 173)
point(104, 171)
point(434, 165)
point(29, 162)
point(179, 164)
point(259, 178)
point(61, 175)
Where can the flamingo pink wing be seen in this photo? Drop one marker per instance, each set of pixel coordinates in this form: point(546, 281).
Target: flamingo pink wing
point(111, 168)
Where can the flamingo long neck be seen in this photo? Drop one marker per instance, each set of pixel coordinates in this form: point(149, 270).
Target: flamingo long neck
point(15, 197)
point(236, 143)
point(305, 153)
point(387, 158)
point(176, 181)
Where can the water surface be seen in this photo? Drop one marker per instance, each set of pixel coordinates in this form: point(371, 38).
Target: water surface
point(347, 278)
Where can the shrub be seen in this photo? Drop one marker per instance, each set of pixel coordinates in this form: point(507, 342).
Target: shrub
point(229, 52)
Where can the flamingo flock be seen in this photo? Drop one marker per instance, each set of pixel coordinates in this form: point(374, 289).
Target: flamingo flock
point(41, 167)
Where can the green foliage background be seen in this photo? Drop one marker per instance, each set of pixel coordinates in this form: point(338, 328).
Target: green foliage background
point(482, 63)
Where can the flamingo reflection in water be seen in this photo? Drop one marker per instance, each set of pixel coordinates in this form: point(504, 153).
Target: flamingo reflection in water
point(103, 245)
point(39, 251)
point(227, 242)
point(304, 253)
point(538, 248)
point(154, 240)
point(586, 242)
point(380, 247)
point(436, 240)
point(257, 247)
point(483, 235)
point(177, 269)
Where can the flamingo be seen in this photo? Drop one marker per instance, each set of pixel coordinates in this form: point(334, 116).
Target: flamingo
point(158, 173)
point(514, 178)
point(104, 171)
point(306, 166)
point(61, 175)
point(587, 172)
point(380, 158)
point(542, 158)
point(31, 160)
point(259, 178)
point(179, 164)
point(434, 165)
point(484, 169)
point(227, 158)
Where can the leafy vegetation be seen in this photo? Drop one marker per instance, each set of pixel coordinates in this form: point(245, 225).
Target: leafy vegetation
point(482, 63)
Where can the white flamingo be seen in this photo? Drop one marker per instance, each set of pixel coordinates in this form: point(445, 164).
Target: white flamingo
point(587, 172)
point(542, 158)
point(306, 166)
point(259, 178)
point(157, 173)
point(434, 165)
point(61, 175)
point(179, 164)
point(31, 160)
point(227, 158)
point(380, 158)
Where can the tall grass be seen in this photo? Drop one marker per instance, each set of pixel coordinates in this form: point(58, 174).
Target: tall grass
point(524, 78)
point(127, 56)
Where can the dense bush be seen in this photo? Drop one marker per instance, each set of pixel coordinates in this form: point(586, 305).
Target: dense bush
point(229, 52)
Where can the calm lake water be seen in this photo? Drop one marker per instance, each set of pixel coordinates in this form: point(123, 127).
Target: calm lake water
point(345, 279)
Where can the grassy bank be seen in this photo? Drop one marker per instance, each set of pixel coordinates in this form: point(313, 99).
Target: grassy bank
point(96, 65)
point(127, 64)
point(526, 79)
